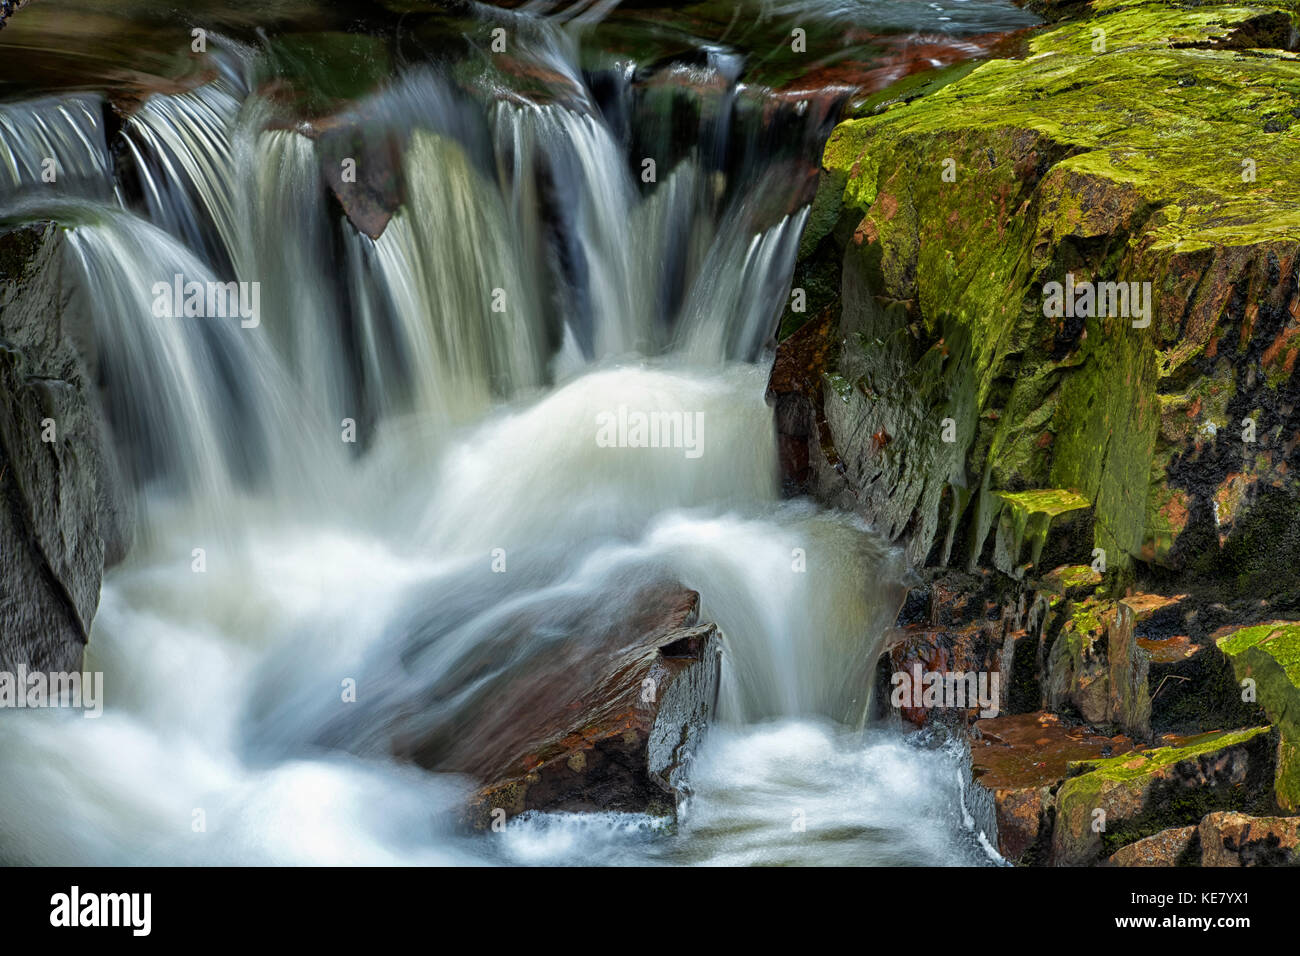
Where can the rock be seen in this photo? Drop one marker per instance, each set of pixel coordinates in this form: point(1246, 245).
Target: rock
point(601, 720)
point(1108, 804)
point(1235, 839)
point(1176, 847)
point(61, 515)
point(1021, 760)
point(370, 193)
point(1114, 169)
point(1269, 656)
point(1024, 520)
point(1193, 688)
point(1096, 668)
point(1075, 581)
point(959, 626)
point(793, 390)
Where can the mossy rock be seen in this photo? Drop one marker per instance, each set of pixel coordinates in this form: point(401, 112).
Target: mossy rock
point(1108, 804)
point(1269, 655)
point(1164, 160)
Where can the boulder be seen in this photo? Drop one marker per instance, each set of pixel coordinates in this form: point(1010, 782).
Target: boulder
point(1176, 847)
point(1268, 656)
point(1235, 839)
point(1159, 159)
point(1096, 667)
point(1108, 804)
point(605, 716)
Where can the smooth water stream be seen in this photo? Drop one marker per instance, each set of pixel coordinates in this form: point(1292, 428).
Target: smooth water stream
point(276, 558)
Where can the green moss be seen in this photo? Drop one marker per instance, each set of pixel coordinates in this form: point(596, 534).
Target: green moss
point(1140, 26)
point(1279, 640)
point(1269, 654)
point(1140, 763)
point(1071, 577)
point(1148, 791)
point(1111, 166)
point(1084, 619)
point(1048, 501)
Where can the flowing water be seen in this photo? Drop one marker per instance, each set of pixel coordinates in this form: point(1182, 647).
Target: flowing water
point(275, 557)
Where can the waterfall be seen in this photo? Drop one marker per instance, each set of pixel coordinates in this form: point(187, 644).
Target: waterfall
point(402, 407)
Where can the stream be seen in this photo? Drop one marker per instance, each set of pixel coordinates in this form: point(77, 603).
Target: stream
point(360, 479)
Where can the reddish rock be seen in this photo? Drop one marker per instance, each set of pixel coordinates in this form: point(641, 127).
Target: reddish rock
point(375, 194)
point(604, 720)
point(1021, 759)
point(1176, 847)
point(795, 390)
point(1235, 839)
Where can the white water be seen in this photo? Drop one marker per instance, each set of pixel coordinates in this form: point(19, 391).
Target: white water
point(325, 563)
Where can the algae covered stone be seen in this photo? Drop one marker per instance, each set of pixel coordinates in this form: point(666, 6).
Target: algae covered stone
point(1112, 803)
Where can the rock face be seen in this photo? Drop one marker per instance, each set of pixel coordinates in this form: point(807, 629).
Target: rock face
point(61, 519)
point(1160, 162)
point(606, 720)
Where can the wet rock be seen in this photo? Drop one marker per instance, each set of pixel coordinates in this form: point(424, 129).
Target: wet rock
point(1268, 657)
point(1108, 804)
point(1235, 839)
point(1021, 760)
point(970, 633)
point(793, 390)
point(61, 515)
point(602, 720)
point(361, 162)
point(1176, 847)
